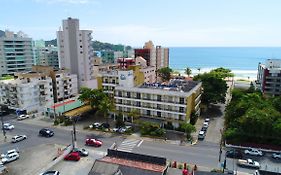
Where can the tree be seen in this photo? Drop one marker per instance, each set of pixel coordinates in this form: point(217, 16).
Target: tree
point(187, 128)
point(133, 114)
point(214, 88)
point(222, 73)
point(199, 70)
point(187, 71)
point(165, 73)
point(106, 106)
point(92, 97)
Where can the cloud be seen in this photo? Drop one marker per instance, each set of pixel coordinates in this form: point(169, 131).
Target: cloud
point(66, 1)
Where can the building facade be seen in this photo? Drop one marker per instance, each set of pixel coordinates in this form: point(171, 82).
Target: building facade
point(154, 56)
point(170, 103)
point(269, 77)
point(76, 52)
point(46, 56)
point(30, 92)
point(16, 54)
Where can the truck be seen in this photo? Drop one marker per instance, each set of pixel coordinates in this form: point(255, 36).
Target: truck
point(248, 163)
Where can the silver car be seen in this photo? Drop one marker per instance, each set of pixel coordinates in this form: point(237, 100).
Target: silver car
point(18, 138)
point(10, 158)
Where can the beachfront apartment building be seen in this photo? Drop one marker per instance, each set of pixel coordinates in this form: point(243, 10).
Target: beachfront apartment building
point(269, 77)
point(29, 92)
point(16, 53)
point(173, 102)
point(155, 56)
point(76, 52)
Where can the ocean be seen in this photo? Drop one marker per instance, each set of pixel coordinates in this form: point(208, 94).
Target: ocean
point(243, 61)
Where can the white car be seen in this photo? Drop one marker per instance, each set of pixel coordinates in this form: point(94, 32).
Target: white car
point(95, 125)
point(9, 152)
point(18, 138)
point(22, 117)
point(207, 120)
point(206, 124)
point(253, 152)
point(10, 158)
point(201, 135)
point(8, 126)
point(248, 163)
point(276, 155)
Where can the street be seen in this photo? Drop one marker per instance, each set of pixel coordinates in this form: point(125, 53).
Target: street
point(205, 154)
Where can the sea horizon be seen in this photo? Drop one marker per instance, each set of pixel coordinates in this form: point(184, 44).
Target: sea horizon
point(242, 61)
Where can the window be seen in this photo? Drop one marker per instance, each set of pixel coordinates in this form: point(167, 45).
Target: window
point(138, 95)
point(119, 94)
point(148, 112)
point(158, 114)
point(181, 109)
point(81, 52)
point(158, 97)
point(181, 100)
point(80, 46)
point(129, 94)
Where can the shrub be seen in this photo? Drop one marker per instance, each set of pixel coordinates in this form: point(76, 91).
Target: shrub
point(180, 166)
point(56, 122)
point(67, 122)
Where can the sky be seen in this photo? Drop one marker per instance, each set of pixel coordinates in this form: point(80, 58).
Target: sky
point(169, 23)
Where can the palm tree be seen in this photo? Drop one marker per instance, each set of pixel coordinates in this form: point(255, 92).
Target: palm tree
point(187, 71)
point(199, 69)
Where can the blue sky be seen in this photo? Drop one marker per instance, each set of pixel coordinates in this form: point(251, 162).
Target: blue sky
point(165, 22)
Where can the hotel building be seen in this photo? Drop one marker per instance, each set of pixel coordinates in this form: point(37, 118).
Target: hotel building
point(167, 103)
point(269, 77)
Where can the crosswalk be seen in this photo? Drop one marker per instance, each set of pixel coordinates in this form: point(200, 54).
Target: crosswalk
point(128, 145)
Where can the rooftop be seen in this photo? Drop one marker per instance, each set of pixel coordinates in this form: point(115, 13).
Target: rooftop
point(173, 85)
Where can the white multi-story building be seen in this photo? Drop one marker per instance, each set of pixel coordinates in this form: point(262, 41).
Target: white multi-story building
point(76, 52)
point(168, 103)
point(65, 86)
point(16, 54)
point(31, 92)
point(269, 77)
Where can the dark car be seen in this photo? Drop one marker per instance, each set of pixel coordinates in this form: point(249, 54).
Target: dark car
point(234, 154)
point(45, 132)
point(105, 125)
point(50, 173)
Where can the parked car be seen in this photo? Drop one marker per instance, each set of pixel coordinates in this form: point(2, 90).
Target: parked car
point(82, 152)
point(204, 128)
point(253, 152)
point(206, 124)
point(105, 125)
point(9, 152)
point(8, 126)
point(45, 132)
point(22, 117)
point(115, 129)
point(95, 125)
point(74, 156)
point(18, 138)
point(93, 142)
point(3, 169)
point(10, 157)
point(234, 154)
point(276, 155)
point(248, 163)
point(207, 120)
point(201, 135)
point(50, 173)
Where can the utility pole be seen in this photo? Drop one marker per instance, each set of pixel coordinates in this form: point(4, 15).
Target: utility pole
point(4, 131)
point(74, 120)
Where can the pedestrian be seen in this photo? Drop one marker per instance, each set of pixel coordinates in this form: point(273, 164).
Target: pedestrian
point(191, 141)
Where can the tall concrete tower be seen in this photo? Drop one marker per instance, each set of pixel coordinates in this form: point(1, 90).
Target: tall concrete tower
point(76, 51)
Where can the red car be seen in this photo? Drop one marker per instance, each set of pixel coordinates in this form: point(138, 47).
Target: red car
point(93, 142)
point(74, 156)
